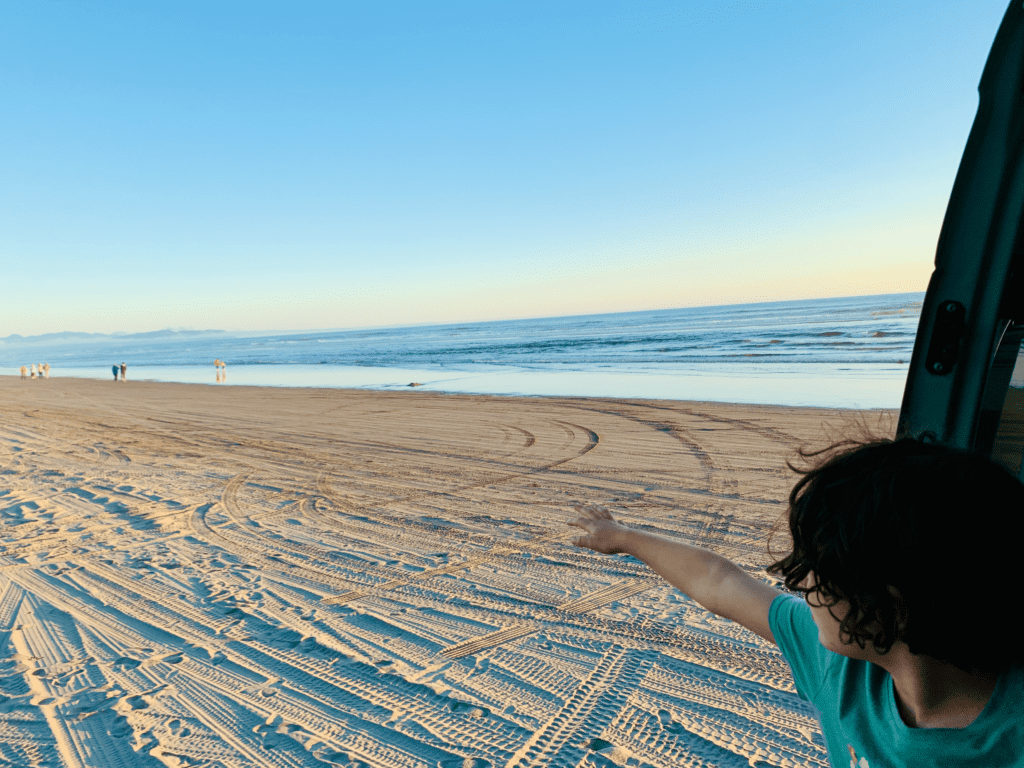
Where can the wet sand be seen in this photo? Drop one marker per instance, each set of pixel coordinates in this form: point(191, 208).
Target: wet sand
point(201, 575)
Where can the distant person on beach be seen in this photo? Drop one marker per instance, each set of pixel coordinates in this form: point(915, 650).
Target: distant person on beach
point(46, 370)
point(115, 369)
point(32, 368)
point(124, 372)
point(906, 556)
point(24, 372)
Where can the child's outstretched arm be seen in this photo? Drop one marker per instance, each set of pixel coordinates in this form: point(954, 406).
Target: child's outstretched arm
point(716, 583)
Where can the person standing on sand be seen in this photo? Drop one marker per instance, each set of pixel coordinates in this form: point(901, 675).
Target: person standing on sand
point(46, 370)
point(32, 370)
point(24, 372)
point(903, 640)
point(124, 372)
point(115, 370)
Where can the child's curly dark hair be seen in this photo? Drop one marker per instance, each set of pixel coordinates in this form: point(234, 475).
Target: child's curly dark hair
point(941, 525)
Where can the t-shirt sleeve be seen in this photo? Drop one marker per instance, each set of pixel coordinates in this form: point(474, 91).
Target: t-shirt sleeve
point(797, 637)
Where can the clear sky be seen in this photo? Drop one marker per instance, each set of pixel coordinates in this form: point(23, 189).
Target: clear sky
point(305, 165)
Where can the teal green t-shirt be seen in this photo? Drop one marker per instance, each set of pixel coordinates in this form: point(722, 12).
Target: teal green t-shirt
point(857, 707)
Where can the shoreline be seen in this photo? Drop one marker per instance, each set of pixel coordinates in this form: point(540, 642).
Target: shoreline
point(426, 389)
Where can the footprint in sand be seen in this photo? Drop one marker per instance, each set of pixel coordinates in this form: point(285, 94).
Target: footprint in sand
point(277, 733)
point(87, 702)
point(464, 762)
point(179, 729)
point(332, 757)
point(136, 702)
point(667, 723)
point(120, 727)
point(468, 709)
point(271, 738)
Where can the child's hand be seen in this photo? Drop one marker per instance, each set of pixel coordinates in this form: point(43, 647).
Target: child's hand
point(603, 534)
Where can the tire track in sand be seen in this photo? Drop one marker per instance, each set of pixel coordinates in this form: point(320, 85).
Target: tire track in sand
point(570, 723)
point(443, 570)
point(325, 490)
point(593, 439)
point(601, 597)
point(260, 545)
point(716, 525)
point(323, 486)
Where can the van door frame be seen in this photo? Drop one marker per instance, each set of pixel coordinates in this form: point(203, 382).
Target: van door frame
point(976, 286)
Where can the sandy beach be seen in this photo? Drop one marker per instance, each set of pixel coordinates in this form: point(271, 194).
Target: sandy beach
point(199, 575)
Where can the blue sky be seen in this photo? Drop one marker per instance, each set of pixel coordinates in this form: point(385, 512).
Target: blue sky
point(304, 165)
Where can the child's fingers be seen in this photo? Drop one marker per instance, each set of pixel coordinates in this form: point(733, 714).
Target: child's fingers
point(584, 523)
point(593, 511)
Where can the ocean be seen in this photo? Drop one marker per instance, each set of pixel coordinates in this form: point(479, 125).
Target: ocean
point(845, 352)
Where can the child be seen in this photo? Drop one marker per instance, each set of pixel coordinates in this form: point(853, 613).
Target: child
point(907, 556)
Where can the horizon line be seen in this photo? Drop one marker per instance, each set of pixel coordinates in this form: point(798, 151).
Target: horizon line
point(429, 323)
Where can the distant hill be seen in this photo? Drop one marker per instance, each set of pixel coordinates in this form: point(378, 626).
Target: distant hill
point(17, 338)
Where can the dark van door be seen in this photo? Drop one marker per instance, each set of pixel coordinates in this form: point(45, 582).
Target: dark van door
point(966, 380)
